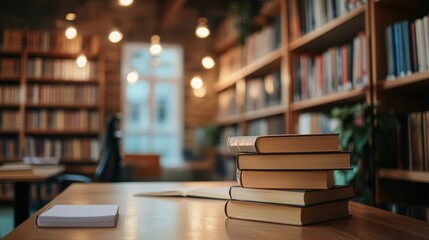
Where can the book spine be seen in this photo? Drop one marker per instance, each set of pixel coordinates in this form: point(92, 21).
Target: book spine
point(226, 209)
point(242, 144)
point(238, 177)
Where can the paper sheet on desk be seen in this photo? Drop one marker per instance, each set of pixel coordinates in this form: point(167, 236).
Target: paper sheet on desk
point(180, 191)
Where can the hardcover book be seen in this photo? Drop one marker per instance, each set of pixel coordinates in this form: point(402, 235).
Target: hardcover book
point(291, 197)
point(286, 214)
point(317, 179)
point(294, 161)
point(284, 143)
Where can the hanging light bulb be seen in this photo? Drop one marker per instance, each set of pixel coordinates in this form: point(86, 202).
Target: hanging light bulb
point(115, 35)
point(201, 92)
point(70, 16)
point(81, 60)
point(125, 3)
point(132, 77)
point(71, 32)
point(196, 82)
point(208, 62)
point(202, 30)
point(155, 45)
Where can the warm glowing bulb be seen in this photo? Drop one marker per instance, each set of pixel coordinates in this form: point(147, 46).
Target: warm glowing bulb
point(70, 16)
point(81, 60)
point(202, 30)
point(208, 62)
point(196, 82)
point(132, 77)
point(115, 35)
point(125, 3)
point(71, 32)
point(155, 46)
point(201, 92)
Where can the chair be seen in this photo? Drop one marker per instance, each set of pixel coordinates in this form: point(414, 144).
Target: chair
point(109, 168)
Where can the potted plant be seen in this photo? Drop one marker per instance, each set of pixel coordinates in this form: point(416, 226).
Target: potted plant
point(370, 135)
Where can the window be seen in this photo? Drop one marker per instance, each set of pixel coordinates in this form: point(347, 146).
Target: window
point(153, 110)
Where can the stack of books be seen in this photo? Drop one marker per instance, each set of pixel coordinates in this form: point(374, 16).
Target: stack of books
point(288, 179)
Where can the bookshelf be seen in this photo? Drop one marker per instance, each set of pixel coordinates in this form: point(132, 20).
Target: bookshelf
point(411, 173)
point(49, 105)
point(350, 26)
point(312, 38)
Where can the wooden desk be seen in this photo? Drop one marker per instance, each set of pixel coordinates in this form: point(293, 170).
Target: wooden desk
point(196, 218)
point(22, 183)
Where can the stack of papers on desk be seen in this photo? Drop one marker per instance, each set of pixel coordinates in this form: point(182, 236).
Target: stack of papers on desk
point(79, 216)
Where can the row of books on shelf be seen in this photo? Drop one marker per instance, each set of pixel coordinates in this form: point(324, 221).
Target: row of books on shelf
point(413, 211)
point(9, 94)
point(10, 67)
point(417, 146)
point(262, 42)
point(313, 122)
point(306, 16)
point(62, 94)
point(267, 126)
point(44, 41)
point(61, 120)
point(61, 69)
point(9, 148)
point(46, 192)
point(251, 94)
point(9, 120)
point(257, 45)
point(273, 170)
point(65, 148)
point(337, 69)
point(263, 92)
point(407, 47)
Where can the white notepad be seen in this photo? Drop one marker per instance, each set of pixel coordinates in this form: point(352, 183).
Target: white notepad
point(79, 216)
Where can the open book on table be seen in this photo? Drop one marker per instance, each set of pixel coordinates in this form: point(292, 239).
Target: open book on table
point(181, 191)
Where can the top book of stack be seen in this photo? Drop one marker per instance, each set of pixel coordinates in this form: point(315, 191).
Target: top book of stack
point(285, 143)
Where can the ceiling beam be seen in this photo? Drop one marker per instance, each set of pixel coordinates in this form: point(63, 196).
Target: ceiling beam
point(169, 12)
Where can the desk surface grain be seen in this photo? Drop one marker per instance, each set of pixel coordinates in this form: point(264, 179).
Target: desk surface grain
point(197, 218)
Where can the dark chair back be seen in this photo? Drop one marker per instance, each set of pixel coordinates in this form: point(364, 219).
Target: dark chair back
point(110, 166)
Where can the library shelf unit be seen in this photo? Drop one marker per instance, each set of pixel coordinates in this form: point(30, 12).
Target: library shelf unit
point(404, 94)
point(338, 31)
point(59, 107)
point(262, 69)
point(365, 24)
point(333, 34)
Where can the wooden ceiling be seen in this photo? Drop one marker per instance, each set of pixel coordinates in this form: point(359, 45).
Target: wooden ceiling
point(160, 14)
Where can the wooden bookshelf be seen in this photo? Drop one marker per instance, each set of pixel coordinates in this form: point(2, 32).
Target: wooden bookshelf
point(331, 100)
point(266, 68)
point(37, 79)
point(62, 132)
point(332, 33)
point(61, 81)
point(9, 79)
point(415, 80)
point(256, 68)
point(403, 94)
point(62, 106)
point(404, 175)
